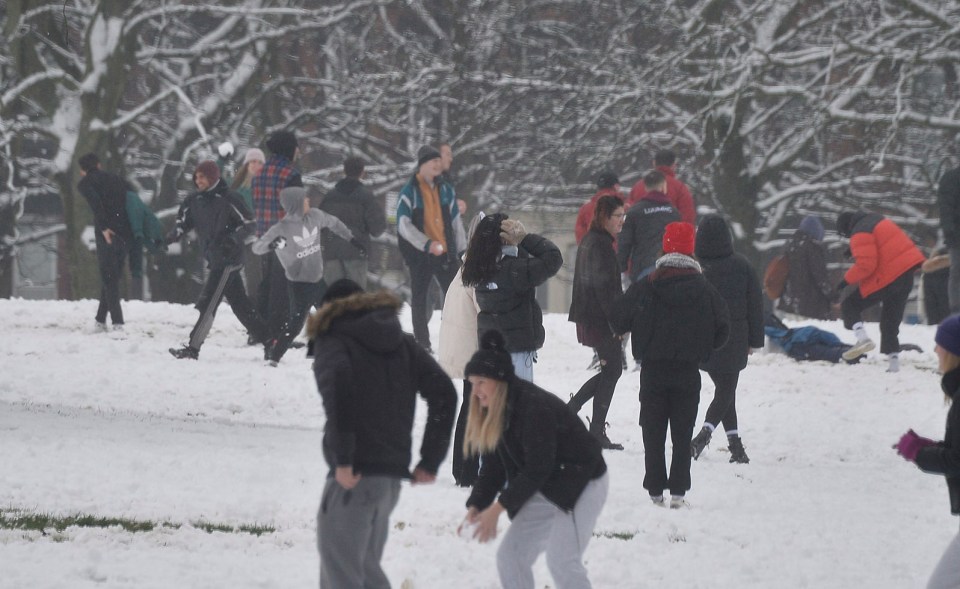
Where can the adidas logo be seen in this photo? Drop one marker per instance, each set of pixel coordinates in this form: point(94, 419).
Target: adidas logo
point(308, 237)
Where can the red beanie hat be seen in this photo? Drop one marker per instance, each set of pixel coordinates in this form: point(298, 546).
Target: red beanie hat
point(678, 238)
point(211, 170)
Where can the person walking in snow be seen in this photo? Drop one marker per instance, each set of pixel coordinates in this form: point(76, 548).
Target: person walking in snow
point(369, 373)
point(665, 161)
point(540, 465)
point(677, 319)
point(505, 265)
point(222, 223)
point(943, 457)
point(639, 242)
point(596, 286)
point(808, 290)
point(736, 281)
point(885, 259)
point(296, 241)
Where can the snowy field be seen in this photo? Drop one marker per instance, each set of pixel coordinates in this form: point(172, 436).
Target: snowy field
point(111, 425)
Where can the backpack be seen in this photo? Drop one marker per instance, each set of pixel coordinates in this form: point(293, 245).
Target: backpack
point(775, 277)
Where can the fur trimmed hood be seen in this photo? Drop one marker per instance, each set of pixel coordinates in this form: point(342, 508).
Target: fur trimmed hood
point(368, 318)
point(322, 318)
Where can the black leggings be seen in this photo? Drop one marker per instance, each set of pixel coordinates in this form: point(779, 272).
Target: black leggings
point(723, 409)
point(601, 386)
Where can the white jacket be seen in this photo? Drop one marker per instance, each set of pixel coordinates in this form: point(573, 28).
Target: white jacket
point(458, 327)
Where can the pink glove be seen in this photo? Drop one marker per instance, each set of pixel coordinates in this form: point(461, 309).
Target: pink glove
point(910, 445)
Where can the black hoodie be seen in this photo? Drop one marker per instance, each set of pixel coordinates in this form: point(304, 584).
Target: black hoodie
point(369, 372)
point(944, 458)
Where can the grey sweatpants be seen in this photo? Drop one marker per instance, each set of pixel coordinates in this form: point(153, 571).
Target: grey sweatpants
point(947, 573)
point(352, 531)
point(541, 525)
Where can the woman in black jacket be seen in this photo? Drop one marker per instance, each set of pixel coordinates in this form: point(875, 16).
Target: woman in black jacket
point(596, 285)
point(736, 281)
point(943, 457)
point(808, 290)
point(505, 265)
point(548, 470)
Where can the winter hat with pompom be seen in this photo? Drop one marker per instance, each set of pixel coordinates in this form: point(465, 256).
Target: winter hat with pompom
point(492, 360)
point(678, 238)
point(948, 334)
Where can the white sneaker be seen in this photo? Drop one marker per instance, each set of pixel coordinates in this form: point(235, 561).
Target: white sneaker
point(894, 365)
point(859, 349)
point(99, 327)
point(657, 500)
point(677, 501)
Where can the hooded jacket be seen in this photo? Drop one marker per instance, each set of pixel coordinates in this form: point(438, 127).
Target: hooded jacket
point(882, 252)
point(734, 278)
point(301, 257)
point(641, 239)
point(221, 221)
point(544, 448)
point(106, 194)
point(369, 372)
point(808, 289)
point(353, 203)
point(944, 458)
point(596, 282)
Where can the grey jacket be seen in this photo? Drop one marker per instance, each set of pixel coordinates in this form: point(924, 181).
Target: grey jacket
point(300, 255)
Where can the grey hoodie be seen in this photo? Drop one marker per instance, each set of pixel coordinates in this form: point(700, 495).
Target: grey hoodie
point(301, 256)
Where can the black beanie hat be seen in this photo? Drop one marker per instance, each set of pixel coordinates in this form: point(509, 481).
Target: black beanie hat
point(844, 225)
point(492, 360)
point(607, 179)
point(426, 153)
point(340, 289)
point(283, 143)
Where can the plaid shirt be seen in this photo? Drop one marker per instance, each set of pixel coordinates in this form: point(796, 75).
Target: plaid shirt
point(278, 173)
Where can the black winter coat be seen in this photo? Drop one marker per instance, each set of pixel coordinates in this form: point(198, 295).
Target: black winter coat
point(808, 290)
point(734, 278)
point(944, 458)
point(674, 316)
point(106, 194)
point(596, 282)
point(353, 203)
point(544, 448)
point(222, 222)
point(641, 239)
point(369, 373)
point(508, 301)
point(948, 197)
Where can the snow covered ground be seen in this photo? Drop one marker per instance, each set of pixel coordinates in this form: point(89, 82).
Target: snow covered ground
point(111, 425)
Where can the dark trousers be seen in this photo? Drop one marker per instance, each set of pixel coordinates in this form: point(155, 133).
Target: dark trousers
point(600, 387)
point(465, 468)
point(723, 408)
point(302, 296)
point(110, 260)
point(423, 267)
point(669, 397)
point(225, 283)
point(892, 300)
point(936, 298)
point(273, 300)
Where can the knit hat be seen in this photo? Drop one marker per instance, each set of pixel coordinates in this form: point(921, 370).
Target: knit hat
point(340, 289)
point(283, 143)
point(210, 171)
point(607, 179)
point(492, 360)
point(812, 226)
point(678, 238)
point(844, 223)
point(427, 153)
point(948, 335)
point(254, 155)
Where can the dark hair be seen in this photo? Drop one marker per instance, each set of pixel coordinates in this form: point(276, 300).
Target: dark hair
point(665, 157)
point(89, 162)
point(353, 167)
point(483, 251)
point(606, 204)
point(653, 178)
point(283, 143)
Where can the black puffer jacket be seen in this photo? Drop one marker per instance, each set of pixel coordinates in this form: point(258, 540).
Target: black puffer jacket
point(222, 222)
point(734, 278)
point(808, 289)
point(596, 281)
point(508, 302)
point(369, 372)
point(944, 458)
point(353, 203)
point(544, 448)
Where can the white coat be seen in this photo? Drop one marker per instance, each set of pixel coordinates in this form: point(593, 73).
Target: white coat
point(458, 327)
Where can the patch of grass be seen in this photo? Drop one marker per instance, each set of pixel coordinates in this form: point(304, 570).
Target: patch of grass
point(14, 519)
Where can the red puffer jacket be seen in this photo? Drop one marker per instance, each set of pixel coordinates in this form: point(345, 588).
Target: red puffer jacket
point(882, 253)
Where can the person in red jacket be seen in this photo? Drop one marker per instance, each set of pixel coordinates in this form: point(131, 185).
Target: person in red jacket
point(607, 183)
point(666, 161)
point(884, 261)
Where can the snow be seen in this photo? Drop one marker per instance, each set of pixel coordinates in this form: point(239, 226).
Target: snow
point(109, 424)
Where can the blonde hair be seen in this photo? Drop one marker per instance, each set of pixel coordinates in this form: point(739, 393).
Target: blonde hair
point(485, 424)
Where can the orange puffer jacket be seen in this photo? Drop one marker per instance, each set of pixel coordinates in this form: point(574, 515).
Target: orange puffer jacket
point(882, 253)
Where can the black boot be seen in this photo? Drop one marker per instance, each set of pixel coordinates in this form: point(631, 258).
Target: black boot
point(185, 353)
point(700, 441)
point(737, 453)
point(605, 442)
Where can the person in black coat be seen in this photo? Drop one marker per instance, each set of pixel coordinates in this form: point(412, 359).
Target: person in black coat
point(808, 290)
point(596, 286)
point(948, 199)
point(639, 243)
point(222, 222)
point(736, 281)
point(943, 458)
point(540, 465)
point(677, 319)
point(505, 265)
point(369, 374)
point(107, 196)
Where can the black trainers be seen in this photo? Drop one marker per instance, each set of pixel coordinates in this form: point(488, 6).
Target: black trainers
point(605, 442)
point(737, 453)
point(268, 349)
point(699, 442)
point(185, 353)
